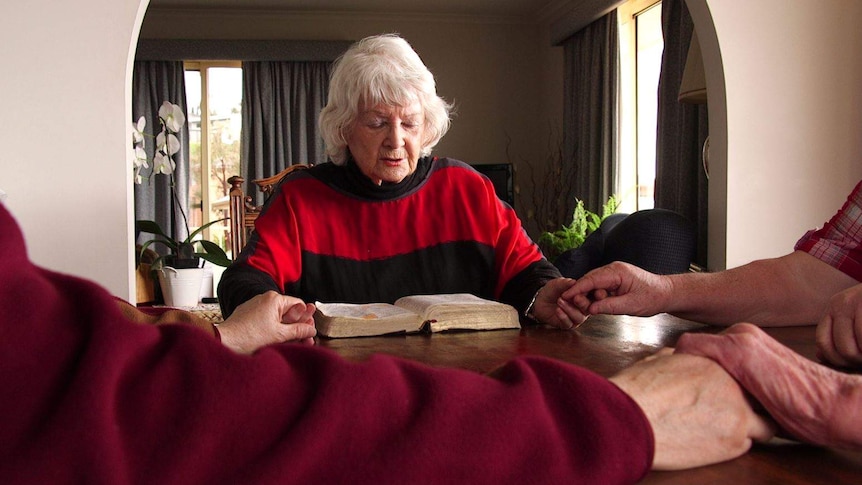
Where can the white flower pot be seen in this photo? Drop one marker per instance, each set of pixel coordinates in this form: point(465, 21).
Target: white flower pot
point(181, 287)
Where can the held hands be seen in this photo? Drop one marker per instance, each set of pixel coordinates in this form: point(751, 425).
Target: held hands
point(619, 289)
point(839, 332)
point(811, 402)
point(550, 309)
point(267, 319)
point(699, 414)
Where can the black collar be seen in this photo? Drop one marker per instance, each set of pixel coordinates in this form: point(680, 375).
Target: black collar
point(348, 178)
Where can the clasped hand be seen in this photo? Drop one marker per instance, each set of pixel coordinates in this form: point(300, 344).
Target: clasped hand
point(698, 413)
point(614, 289)
point(698, 399)
point(267, 319)
point(839, 331)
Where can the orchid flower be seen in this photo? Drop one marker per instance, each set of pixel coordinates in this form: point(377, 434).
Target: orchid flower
point(166, 146)
point(138, 131)
point(163, 164)
point(172, 119)
point(161, 143)
point(173, 144)
point(140, 157)
point(172, 116)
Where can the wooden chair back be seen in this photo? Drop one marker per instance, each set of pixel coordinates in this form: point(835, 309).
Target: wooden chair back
point(241, 209)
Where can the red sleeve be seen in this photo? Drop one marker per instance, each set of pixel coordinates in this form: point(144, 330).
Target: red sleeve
point(520, 266)
point(105, 400)
point(514, 250)
point(492, 222)
point(276, 250)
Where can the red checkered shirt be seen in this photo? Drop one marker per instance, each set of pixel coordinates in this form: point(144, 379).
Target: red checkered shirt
point(839, 242)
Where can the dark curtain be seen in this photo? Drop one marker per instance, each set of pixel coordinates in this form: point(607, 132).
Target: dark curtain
point(280, 105)
point(153, 83)
point(591, 113)
point(681, 183)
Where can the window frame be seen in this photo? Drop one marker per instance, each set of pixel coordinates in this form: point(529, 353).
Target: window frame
point(202, 66)
point(627, 14)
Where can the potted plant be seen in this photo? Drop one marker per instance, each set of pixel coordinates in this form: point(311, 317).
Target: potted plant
point(181, 267)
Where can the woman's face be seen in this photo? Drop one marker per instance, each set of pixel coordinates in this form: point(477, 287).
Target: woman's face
point(385, 141)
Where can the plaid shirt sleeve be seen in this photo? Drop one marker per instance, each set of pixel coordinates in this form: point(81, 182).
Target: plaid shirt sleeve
point(839, 242)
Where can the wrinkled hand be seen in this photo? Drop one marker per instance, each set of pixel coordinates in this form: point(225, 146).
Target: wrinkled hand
point(619, 289)
point(839, 332)
point(267, 319)
point(699, 414)
point(549, 309)
point(809, 401)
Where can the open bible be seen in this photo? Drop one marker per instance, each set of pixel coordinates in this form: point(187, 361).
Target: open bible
point(416, 313)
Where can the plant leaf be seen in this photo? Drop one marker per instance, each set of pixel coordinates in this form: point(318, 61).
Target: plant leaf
point(215, 259)
point(213, 253)
point(172, 245)
point(200, 229)
point(151, 227)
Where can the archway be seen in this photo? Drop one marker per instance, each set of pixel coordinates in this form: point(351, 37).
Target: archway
point(714, 71)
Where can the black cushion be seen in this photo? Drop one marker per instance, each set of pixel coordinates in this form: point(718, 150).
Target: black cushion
point(658, 240)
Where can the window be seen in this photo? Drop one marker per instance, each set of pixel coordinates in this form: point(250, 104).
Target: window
point(641, 46)
point(214, 98)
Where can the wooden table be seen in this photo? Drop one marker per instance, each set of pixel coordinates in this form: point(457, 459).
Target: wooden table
point(606, 344)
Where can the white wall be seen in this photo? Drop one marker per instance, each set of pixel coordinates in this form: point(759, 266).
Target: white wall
point(64, 129)
point(786, 132)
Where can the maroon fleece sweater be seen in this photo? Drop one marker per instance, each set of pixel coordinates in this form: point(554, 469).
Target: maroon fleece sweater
point(91, 397)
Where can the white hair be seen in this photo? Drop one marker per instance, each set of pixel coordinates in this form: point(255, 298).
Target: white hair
point(381, 69)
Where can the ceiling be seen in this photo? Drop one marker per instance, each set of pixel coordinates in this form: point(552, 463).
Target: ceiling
point(458, 7)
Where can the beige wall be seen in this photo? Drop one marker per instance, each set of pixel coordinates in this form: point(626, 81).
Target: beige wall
point(64, 128)
point(785, 119)
point(786, 149)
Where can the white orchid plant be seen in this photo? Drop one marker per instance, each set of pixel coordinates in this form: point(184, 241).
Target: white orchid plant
point(171, 118)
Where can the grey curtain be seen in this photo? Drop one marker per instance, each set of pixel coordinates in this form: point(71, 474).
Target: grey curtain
point(280, 105)
point(153, 83)
point(591, 112)
point(681, 184)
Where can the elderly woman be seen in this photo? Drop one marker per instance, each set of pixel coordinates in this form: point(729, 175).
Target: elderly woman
point(385, 219)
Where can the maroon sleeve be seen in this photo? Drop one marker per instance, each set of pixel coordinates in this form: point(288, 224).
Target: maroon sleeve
point(89, 396)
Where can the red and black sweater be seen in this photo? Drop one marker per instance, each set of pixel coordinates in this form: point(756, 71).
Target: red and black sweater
point(330, 234)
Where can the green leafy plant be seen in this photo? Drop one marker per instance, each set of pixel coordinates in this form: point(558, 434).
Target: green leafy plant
point(584, 222)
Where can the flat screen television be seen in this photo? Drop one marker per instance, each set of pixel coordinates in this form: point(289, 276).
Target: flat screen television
point(501, 176)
